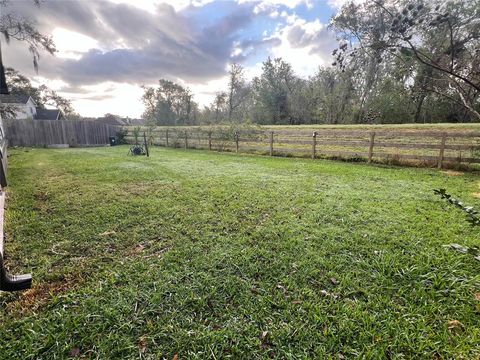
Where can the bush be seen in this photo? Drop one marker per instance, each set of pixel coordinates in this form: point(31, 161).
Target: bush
point(121, 136)
point(225, 134)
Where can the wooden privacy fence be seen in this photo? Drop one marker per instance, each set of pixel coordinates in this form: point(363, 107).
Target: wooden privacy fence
point(424, 147)
point(56, 132)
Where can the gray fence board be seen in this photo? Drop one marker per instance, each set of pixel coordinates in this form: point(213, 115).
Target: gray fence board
point(51, 132)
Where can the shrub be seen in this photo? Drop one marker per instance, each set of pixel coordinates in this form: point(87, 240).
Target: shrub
point(121, 136)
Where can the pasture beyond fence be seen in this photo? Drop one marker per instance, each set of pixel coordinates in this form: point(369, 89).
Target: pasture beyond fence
point(79, 133)
point(419, 146)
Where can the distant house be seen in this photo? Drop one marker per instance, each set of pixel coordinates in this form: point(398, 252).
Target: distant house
point(110, 119)
point(26, 108)
point(49, 114)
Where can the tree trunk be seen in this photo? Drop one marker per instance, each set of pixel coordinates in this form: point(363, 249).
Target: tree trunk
point(3, 80)
point(418, 110)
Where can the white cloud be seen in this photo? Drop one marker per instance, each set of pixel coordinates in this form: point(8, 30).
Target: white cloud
point(151, 5)
point(54, 84)
point(305, 45)
point(95, 47)
point(116, 98)
point(205, 93)
point(71, 44)
point(274, 14)
point(288, 3)
point(253, 71)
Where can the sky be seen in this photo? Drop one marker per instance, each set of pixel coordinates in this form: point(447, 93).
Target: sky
point(109, 49)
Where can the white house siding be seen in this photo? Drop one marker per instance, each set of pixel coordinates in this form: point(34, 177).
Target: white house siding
point(25, 111)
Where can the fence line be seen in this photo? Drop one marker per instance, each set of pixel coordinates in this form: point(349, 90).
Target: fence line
point(425, 146)
point(420, 146)
point(57, 132)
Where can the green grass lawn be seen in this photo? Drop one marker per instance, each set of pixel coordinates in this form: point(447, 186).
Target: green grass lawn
point(214, 255)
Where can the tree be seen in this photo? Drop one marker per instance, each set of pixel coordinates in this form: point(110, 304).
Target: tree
point(13, 26)
point(219, 105)
point(237, 91)
point(18, 28)
point(169, 104)
point(271, 92)
point(42, 95)
point(441, 36)
point(51, 98)
point(20, 84)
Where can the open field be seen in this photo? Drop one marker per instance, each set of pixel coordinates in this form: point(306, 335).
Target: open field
point(454, 146)
point(393, 127)
point(217, 255)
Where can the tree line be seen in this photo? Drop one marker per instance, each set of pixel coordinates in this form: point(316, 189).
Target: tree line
point(397, 61)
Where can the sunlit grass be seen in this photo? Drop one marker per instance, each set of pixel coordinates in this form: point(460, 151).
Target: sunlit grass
point(217, 255)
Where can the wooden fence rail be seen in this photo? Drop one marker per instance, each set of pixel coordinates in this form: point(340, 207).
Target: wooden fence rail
point(57, 133)
point(420, 146)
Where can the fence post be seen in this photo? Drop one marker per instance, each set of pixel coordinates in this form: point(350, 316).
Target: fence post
point(84, 132)
point(145, 143)
point(166, 138)
point(442, 150)
point(271, 143)
point(186, 140)
point(314, 145)
point(209, 140)
point(370, 149)
point(236, 142)
point(64, 135)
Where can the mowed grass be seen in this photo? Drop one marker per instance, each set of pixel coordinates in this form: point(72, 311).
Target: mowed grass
point(202, 255)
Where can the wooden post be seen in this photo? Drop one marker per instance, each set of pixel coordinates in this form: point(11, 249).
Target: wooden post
point(166, 137)
point(442, 150)
point(271, 143)
point(209, 140)
point(186, 140)
point(145, 143)
point(370, 149)
point(84, 132)
point(236, 142)
point(314, 145)
point(64, 134)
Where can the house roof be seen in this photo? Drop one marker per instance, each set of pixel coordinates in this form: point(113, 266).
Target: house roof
point(47, 114)
point(137, 122)
point(14, 98)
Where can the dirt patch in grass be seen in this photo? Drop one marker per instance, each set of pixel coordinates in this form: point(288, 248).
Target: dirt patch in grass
point(452, 173)
point(41, 196)
point(146, 250)
point(40, 295)
point(476, 195)
point(42, 202)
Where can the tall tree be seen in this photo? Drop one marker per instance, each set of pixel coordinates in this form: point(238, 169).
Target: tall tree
point(442, 36)
point(271, 92)
point(219, 105)
point(237, 91)
point(169, 104)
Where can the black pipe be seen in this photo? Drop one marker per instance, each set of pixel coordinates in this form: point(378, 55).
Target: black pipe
point(13, 282)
